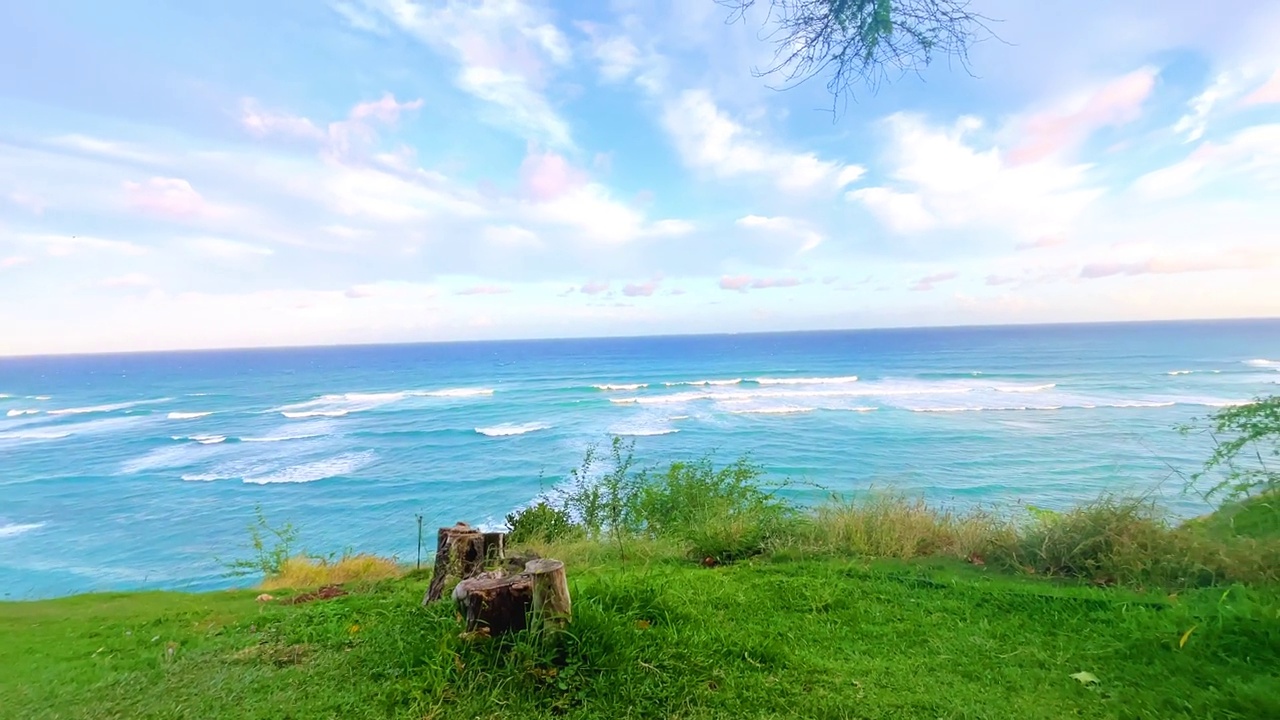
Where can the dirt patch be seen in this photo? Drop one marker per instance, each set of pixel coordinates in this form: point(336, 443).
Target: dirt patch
point(328, 592)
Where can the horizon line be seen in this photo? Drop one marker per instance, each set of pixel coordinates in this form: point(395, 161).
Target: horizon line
point(409, 343)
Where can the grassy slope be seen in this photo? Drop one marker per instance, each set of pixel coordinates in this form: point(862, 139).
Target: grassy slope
point(779, 638)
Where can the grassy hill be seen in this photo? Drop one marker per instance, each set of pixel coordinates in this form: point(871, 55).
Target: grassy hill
point(657, 636)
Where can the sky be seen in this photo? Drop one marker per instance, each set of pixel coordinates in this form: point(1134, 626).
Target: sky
point(246, 173)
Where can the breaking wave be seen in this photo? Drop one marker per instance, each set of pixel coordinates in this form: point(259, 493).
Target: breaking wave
point(188, 415)
point(1261, 363)
point(317, 470)
point(19, 413)
point(509, 429)
point(341, 404)
point(16, 529)
point(106, 408)
point(630, 386)
point(843, 380)
point(643, 431)
point(697, 383)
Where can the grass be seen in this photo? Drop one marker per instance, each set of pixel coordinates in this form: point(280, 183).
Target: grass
point(301, 571)
point(655, 635)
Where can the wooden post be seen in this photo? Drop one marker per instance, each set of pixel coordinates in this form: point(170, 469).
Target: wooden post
point(459, 552)
point(551, 605)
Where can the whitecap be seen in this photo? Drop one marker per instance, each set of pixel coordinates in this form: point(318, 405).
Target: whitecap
point(19, 413)
point(631, 386)
point(457, 392)
point(1179, 372)
point(16, 529)
point(841, 380)
point(1261, 363)
point(34, 435)
point(313, 471)
point(209, 439)
point(280, 438)
point(1024, 388)
point(509, 429)
point(734, 381)
point(643, 432)
point(314, 413)
point(106, 408)
point(1019, 408)
point(41, 397)
point(773, 411)
point(188, 415)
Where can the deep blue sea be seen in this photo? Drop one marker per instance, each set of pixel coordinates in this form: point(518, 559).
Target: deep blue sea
point(143, 470)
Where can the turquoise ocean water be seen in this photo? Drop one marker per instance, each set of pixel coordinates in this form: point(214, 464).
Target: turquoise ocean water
point(131, 471)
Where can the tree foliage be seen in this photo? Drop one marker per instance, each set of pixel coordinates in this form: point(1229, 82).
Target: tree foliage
point(1246, 452)
point(862, 42)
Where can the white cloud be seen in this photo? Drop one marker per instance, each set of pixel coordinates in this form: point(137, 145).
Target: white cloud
point(224, 249)
point(710, 140)
point(502, 47)
point(129, 280)
point(944, 180)
point(1253, 152)
point(114, 150)
point(68, 245)
point(787, 227)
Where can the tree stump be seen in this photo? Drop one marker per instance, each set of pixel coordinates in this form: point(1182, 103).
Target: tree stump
point(551, 604)
point(461, 552)
point(493, 603)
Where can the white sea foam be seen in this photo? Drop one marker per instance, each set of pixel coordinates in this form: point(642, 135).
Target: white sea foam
point(209, 439)
point(280, 438)
point(188, 415)
point(773, 411)
point(673, 418)
point(643, 431)
point(42, 397)
point(1261, 363)
point(842, 380)
point(106, 408)
point(34, 435)
point(340, 404)
point(314, 413)
point(1024, 388)
point(316, 470)
point(1018, 408)
point(16, 529)
point(204, 477)
point(19, 413)
point(734, 381)
point(508, 429)
point(1179, 372)
point(630, 386)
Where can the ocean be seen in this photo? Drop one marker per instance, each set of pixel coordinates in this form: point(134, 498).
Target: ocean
point(143, 470)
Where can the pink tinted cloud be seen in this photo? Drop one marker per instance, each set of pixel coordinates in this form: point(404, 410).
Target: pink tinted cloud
point(545, 176)
point(1054, 131)
point(1039, 243)
point(927, 283)
point(641, 289)
point(742, 283)
point(168, 197)
point(31, 202)
point(387, 109)
point(484, 290)
point(1267, 94)
point(594, 288)
point(1239, 259)
point(12, 261)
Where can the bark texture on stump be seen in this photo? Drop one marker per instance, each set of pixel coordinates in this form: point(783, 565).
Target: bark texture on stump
point(493, 603)
point(551, 605)
point(461, 552)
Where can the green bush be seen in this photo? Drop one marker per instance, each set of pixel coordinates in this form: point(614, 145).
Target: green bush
point(541, 522)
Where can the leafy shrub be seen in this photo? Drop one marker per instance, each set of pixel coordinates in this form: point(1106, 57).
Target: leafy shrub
point(541, 522)
point(1246, 454)
point(271, 546)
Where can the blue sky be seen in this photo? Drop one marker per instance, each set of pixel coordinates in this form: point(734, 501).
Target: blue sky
point(245, 173)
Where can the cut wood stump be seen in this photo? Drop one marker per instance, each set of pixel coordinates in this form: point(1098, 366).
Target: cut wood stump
point(461, 552)
point(493, 603)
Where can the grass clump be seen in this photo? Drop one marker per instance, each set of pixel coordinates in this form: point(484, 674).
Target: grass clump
point(303, 571)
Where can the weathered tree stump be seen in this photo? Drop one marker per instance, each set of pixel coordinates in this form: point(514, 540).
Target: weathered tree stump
point(493, 603)
point(551, 605)
point(461, 552)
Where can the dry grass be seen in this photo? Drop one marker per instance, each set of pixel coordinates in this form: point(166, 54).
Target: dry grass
point(888, 525)
point(305, 572)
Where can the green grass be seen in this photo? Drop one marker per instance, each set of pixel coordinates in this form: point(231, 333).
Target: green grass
point(657, 636)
